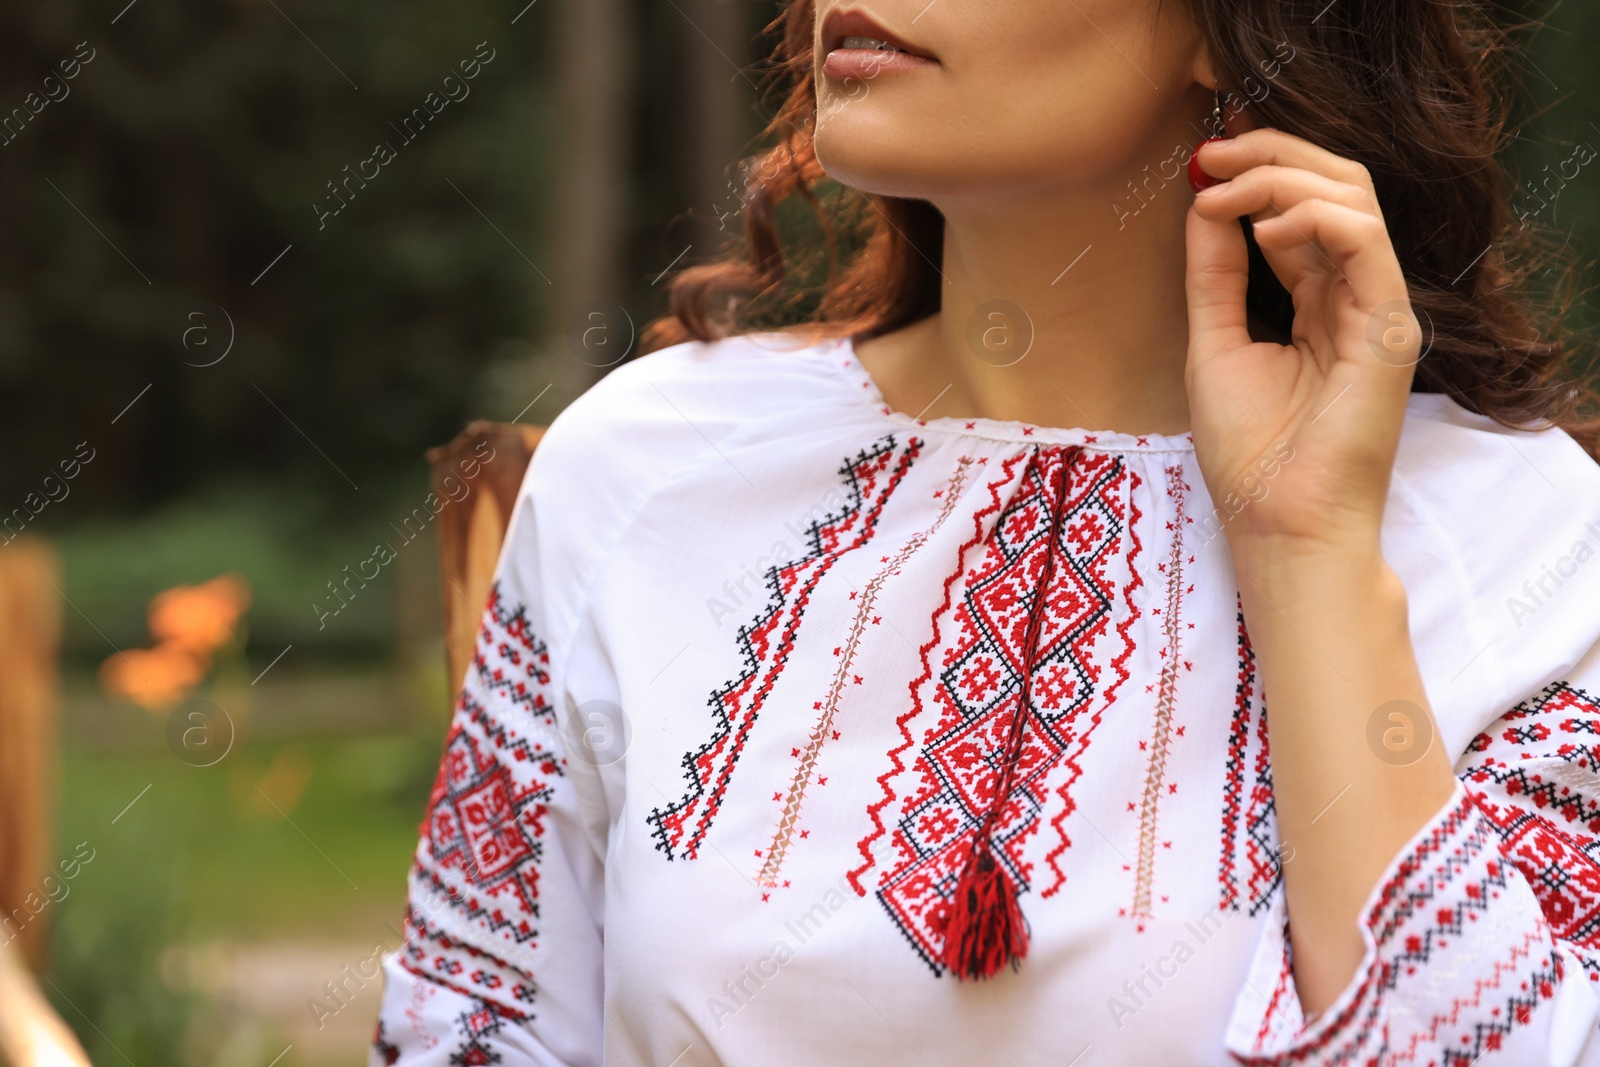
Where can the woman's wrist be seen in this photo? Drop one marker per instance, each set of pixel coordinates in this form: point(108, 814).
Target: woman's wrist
point(1293, 571)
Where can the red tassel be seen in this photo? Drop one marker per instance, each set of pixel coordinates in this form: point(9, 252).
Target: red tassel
point(986, 929)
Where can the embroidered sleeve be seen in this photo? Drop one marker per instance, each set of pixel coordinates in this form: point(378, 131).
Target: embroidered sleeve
point(501, 957)
point(1483, 936)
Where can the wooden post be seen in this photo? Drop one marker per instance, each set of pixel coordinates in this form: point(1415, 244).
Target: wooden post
point(472, 528)
point(30, 639)
point(31, 1033)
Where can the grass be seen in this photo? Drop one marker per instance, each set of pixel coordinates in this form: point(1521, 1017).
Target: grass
point(298, 835)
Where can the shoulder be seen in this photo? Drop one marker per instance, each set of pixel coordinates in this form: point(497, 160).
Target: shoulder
point(642, 427)
point(685, 393)
point(649, 418)
point(1496, 533)
point(1500, 495)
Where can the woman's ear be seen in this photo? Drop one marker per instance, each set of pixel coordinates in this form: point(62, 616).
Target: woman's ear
point(1204, 72)
point(1235, 114)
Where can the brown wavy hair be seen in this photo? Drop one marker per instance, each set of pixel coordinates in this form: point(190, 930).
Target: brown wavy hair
point(1416, 91)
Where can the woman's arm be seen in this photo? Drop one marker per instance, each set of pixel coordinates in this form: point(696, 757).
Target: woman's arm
point(1414, 926)
point(1331, 639)
point(1326, 614)
point(1481, 937)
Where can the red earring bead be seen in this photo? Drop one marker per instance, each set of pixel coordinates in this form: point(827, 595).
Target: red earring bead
point(1198, 178)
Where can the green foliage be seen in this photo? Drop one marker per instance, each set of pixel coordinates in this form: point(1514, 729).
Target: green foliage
point(286, 544)
point(1562, 199)
point(126, 905)
point(197, 141)
point(198, 857)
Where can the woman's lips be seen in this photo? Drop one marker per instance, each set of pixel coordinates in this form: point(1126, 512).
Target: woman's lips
point(871, 62)
point(848, 36)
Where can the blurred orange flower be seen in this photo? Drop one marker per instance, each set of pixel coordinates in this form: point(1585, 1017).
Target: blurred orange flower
point(153, 678)
point(200, 617)
point(189, 622)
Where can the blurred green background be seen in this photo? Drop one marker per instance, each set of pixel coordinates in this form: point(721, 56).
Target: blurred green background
point(175, 197)
point(258, 379)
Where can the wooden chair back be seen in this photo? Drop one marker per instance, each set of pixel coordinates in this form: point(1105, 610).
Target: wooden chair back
point(473, 527)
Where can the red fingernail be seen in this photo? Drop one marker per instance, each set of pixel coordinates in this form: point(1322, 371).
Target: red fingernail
point(1198, 178)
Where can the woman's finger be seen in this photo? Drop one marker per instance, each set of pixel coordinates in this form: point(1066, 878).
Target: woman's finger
point(1217, 275)
point(1275, 189)
point(1272, 147)
point(1369, 319)
point(1354, 245)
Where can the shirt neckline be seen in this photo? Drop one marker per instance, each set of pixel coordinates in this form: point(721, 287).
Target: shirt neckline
point(865, 390)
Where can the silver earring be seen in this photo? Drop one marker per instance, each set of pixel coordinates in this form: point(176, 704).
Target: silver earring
point(1218, 127)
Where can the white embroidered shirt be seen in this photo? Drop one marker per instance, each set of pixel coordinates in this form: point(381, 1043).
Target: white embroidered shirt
point(743, 691)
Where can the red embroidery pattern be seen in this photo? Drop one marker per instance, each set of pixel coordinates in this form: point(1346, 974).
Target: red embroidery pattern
point(980, 681)
point(1160, 742)
point(1450, 880)
point(886, 779)
point(1119, 668)
point(1249, 819)
point(871, 477)
point(475, 1028)
point(386, 1053)
point(477, 865)
point(777, 852)
point(1523, 753)
point(1485, 1038)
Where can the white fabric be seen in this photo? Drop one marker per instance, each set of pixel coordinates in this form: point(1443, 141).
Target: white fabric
point(755, 644)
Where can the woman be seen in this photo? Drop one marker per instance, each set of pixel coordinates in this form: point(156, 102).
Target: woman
point(1248, 719)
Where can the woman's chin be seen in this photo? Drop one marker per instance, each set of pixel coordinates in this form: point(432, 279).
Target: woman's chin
point(881, 170)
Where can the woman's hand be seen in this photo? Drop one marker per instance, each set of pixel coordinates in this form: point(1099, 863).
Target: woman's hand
point(1296, 444)
point(1303, 435)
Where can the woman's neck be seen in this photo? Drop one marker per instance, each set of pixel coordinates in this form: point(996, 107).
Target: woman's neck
point(1089, 284)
